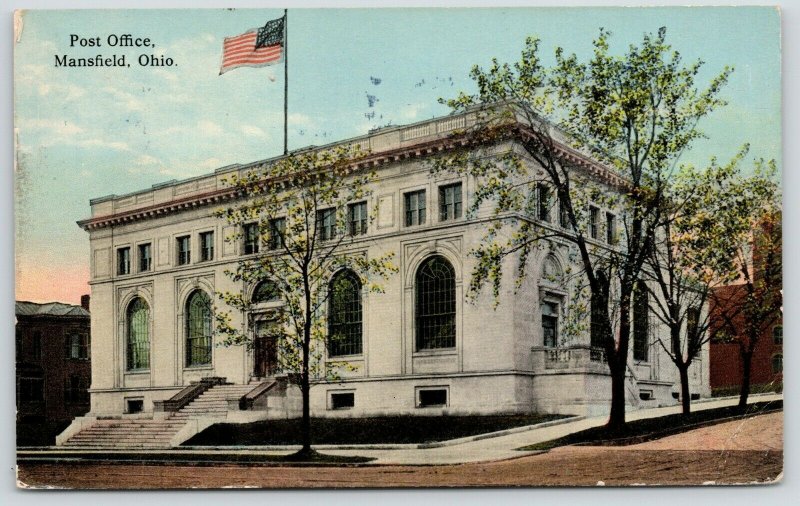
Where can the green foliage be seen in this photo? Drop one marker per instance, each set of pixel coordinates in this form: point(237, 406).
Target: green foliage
point(635, 113)
point(301, 257)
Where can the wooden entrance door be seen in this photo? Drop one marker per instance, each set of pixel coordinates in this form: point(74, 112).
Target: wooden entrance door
point(265, 349)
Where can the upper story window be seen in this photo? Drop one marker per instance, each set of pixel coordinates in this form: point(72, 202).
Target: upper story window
point(611, 228)
point(777, 334)
point(450, 202)
point(415, 208)
point(37, 346)
point(123, 261)
point(206, 246)
point(344, 315)
point(563, 214)
point(145, 257)
point(250, 236)
point(435, 287)
point(594, 222)
point(137, 335)
point(184, 251)
point(326, 224)
point(357, 218)
point(543, 212)
point(77, 346)
point(277, 229)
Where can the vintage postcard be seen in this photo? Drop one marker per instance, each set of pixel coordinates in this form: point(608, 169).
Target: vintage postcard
point(304, 248)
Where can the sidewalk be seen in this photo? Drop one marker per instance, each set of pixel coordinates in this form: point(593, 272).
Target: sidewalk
point(466, 450)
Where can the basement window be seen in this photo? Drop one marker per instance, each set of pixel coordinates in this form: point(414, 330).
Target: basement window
point(645, 395)
point(134, 405)
point(432, 398)
point(345, 400)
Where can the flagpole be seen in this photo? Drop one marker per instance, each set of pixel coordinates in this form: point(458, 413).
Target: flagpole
point(285, 81)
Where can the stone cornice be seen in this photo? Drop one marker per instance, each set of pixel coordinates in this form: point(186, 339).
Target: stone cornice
point(370, 161)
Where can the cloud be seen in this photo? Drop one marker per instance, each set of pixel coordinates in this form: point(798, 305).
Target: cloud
point(297, 119)
point(210, 163)
point(207, 127)
point(100, 143)
point(412, 111)
point(252, 131)
point(146, 160)
point(125, 99)
point(61, 128)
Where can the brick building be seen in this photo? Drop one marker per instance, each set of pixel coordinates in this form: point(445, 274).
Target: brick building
point(53, 368)
point(766, 372)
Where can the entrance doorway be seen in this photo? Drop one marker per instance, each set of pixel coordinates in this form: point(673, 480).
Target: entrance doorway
point(265, 349)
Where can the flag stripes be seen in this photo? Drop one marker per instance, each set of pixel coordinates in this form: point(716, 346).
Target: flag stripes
point(240, 51)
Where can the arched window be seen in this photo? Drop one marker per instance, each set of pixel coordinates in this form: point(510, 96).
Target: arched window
point(777, 363)
point(641, 324)
point(198, 329)
point(436, 304)
point(266, 291)
point(138, 335)
point(344, 315)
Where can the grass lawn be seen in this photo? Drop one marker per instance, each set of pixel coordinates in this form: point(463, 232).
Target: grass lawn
point(654, 428)
point(390, 429)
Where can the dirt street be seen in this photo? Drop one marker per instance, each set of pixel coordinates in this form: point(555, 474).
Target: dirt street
point(741, 451)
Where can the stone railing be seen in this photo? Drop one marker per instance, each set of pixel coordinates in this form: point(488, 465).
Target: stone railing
point(186, 395)
point(578, 356)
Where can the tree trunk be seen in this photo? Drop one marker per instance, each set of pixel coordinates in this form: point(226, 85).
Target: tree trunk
point(686, 396)
point(744, 393)
point(305, 386)
point(616, 420)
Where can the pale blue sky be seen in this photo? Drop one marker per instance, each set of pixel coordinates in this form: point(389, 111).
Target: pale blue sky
point(85, 133)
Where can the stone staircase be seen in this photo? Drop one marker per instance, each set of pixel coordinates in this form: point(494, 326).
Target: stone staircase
point(124, 433)
point(213, 403)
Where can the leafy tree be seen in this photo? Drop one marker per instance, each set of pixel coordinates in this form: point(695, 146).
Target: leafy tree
point(732, 235)
point(635, 113)
point(292, 218)
point(677, 278)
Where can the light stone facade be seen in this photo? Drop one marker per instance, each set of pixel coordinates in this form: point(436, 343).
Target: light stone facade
point(499, 364)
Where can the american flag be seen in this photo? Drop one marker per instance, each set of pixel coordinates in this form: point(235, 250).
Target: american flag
point(254, 48)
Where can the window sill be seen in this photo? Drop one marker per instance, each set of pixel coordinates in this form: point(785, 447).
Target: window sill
point(345, 358)
point(441, 352)
point(204, 367)
point(137, 372)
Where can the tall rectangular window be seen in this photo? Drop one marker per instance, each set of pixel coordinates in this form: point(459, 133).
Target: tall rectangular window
point(145, 257)
point(206, 246)
point(37, 346)
point(250, 236)
point(326, 224)
point(77, 346)
point(544, 202)
point(184, 253)
point(415, 208)
point(123, 261)
point(594, 223)
point(611, 228)
point(277, 229)
point(450, 202)
point(550, 324)
point(563, 214)
point(777, 334)
point(357, 218)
